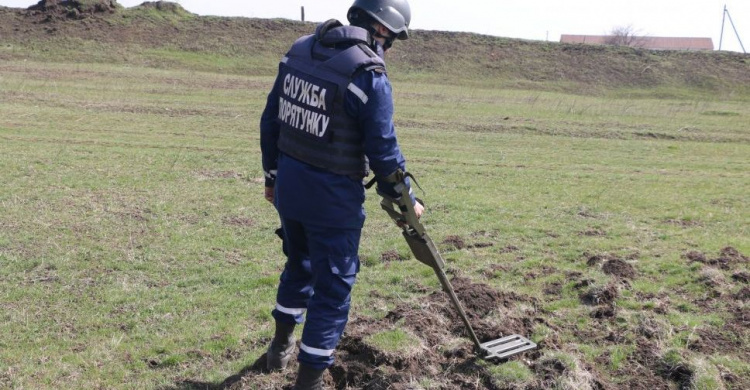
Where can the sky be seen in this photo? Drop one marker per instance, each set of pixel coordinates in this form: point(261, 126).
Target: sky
point(526, 19)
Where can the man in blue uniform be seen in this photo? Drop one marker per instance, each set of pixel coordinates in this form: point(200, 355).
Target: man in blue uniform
point(327, 119)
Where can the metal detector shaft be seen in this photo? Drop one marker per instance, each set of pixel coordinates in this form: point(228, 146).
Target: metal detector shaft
point(425, 251)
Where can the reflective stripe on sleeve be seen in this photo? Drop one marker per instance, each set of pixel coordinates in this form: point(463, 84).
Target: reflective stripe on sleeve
point(360, 93)
point(315, 351)
point(294, 312)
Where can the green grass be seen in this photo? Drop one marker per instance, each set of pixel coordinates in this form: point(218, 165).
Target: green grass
point(618, 355)
point(136, 248)
point(394, 341)
point(511, 374)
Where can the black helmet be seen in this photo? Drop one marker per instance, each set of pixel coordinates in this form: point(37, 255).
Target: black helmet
point(395, 15)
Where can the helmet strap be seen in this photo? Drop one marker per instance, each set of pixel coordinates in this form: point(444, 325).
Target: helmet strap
point(360, 19)
point(388, 40)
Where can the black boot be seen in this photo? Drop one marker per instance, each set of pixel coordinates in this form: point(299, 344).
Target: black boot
point(309, 378)
point(282, 346)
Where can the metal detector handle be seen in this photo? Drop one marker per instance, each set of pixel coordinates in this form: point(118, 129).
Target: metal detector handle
point(401, 209)
point(402, 213)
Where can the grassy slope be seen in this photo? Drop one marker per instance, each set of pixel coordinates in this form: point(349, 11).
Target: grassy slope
point(136, 250)
point(173, 37)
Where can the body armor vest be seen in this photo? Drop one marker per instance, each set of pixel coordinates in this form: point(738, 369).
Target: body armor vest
point(315, 75)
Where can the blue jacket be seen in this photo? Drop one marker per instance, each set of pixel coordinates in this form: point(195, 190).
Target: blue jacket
point(316, 196)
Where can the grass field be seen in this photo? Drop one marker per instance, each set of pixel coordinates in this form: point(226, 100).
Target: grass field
point(137, 251)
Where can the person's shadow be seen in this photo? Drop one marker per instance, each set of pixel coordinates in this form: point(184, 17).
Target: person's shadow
point(258, 367)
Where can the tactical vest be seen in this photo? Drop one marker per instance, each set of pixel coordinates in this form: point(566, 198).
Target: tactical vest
point(315, 75)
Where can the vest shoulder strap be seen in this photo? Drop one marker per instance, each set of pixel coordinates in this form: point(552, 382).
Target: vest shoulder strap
point(354, 60)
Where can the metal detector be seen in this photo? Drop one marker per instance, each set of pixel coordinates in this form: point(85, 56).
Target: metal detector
point(401, 210)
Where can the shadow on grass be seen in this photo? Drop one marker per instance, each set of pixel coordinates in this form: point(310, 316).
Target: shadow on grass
point(258, 367)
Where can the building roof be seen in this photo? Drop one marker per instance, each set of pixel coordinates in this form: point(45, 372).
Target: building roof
point(654, 43)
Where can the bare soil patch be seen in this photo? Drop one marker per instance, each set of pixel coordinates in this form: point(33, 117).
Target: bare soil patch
point(685, 223)
point(554, 288)
point(454, 242)
point(391, 255)
point(741, 276)
point(619, 268)
point(600, 295)
point(646, 370)
point(509, 249)
point(604, 311)
point(238, 221)
point(444, 353)
point(612, 265)
point(593, 232)
point(728, 258)
point(711, 341)
point(458, 242)
point(594, 260)
point(207, 174)
point(743, 294)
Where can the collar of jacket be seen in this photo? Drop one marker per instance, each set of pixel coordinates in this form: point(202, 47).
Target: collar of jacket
point(332, 32)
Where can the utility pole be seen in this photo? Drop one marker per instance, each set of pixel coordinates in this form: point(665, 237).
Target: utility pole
point(721, 38)
point(303, 13)
point(723, 19)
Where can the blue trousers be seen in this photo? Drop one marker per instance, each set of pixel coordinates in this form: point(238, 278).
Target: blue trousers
point(321, 268)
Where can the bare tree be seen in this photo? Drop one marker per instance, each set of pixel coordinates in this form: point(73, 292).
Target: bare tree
point(624, 36)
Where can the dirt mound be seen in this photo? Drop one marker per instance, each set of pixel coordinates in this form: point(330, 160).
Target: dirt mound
point(54, 10)
point(728, 258)
point(454, 242)
point(163, 6)
point(599, 259)
point(743, 294)
point(673, 366)
point(733, 255)
point(600, 295)
point(423, 344)
point(620, 268)
point(436, 320)
point(612, 265)
point(741, 276)
point(392, 255)
point(457, 242)
point(72, 9)
point(439, 347)
point(710, 341)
